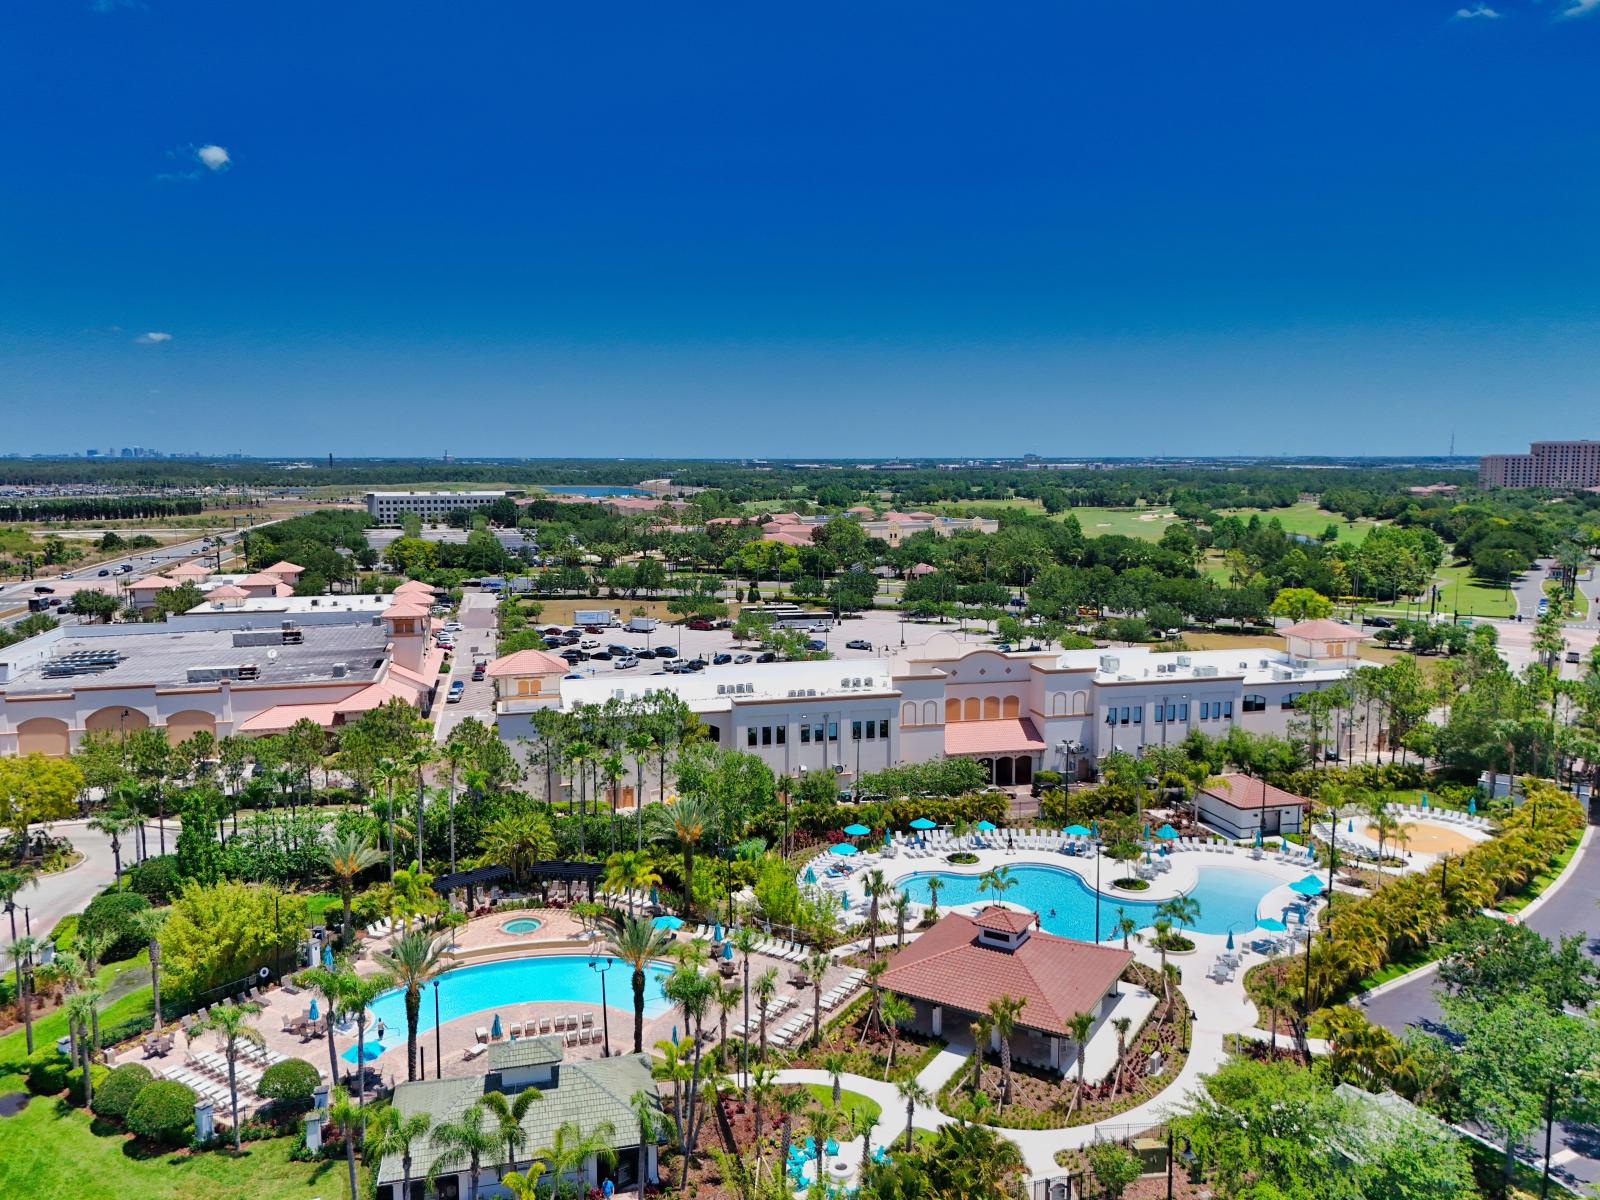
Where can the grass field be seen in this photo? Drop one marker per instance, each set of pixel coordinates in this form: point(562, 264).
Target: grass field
point(848, 1101)
point(1460, 593)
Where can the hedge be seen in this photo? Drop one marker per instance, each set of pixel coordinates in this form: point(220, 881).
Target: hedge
point(47, 1072)
point(156, 879)
point(65, 931)
point(163, 1112)
point(75, 1081)
point(111, 915)
point(290, 1082)
point(114, 1097)
point(898, 814)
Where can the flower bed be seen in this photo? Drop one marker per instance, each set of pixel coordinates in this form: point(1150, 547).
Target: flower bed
point(867, 1053)
point(1131, 884)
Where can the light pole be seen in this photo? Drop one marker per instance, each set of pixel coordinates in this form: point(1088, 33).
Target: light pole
point(438, 1055)
point(605, 1015)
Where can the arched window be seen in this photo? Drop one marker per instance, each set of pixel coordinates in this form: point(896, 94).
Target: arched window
point(1080, 704)
point(1058, 704)
point(952, 710)
point(991, 708)
point(908, 713)
point(930, 713)
point(1254, 703)
point(1010, 707)
point(974, 709)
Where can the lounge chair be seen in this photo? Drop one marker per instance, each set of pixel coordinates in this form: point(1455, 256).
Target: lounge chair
point(481, 1034)
point(472, 1051)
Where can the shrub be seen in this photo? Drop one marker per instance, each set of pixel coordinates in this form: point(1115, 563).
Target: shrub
point(114, 1097)
point(1114, 1167)
point(75, 1081)
point(111, 915)
point(47, 1072)
point(163, 1112)
point(156, 879)
point(290, 1082)
point(65, 931)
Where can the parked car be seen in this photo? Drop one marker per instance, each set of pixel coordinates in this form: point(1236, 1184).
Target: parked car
point(741, 659)
point(626, 663)
point(603, 655)
point(43, 589)
point(858, 644)
point(456, 690)
point(453, 626)
point(696, 664)
point(666, 652)
point(1379, 622)
point(767, 656)
point(619, 651)
point(701, 623)
point(816, 644)
point(479, 669)
point(67, 574)
point(718, 660)
point(589, 643)
point(1572, 656)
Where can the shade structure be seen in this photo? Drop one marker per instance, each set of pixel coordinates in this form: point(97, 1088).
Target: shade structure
point(924, 823)
point(1076, 831)
point(495, 1031)
point(313, 1013)
point(842, 848)
point(668, 921)
point(1309, 886)
point(1271, 925)
point(987, 826)
point(810, 875)
point(1166, 831)
point(857, 830)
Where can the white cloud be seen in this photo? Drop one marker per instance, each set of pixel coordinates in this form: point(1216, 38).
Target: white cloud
point(1578, 8)
point(214, 157)
point(197, 161)
point(1478, 12)
point(154, 338)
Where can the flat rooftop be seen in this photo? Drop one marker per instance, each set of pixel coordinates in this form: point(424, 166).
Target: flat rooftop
point(1253, 664)
point(718, 688)
point(298, 604)
point(156, 655)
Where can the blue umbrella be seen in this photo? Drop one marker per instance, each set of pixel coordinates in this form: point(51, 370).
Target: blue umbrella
point(1472, 806)
point(1258, 837)
point(668, 921)
point(844, 899)
point(1147, 831)
point(1230, 939)
point(727, 949)
point(716, 934)
point(811, 876)
point(1094, 828)
point(987, 826)
point(1166, 831)
point(495, 1031)
point(1147, 855)
point(653, 899)
point(1309, 886)
point(1311, 851)
point(857, 830)
point(313, 1013)
point(831, 1146)
point(924, 823)
point(674, 1035)
point(1424, 799)
point(842, 849)
point(1076, 831)
point(1271, 925)
point(327, 957)
point(1349, 826)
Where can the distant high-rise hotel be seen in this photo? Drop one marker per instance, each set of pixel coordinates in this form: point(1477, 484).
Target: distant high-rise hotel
point(1547, 464)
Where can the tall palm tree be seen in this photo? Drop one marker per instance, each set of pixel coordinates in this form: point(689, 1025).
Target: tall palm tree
point(638, 744)
point(637, 943)
point(745, 941)
point(862, 1123)
point(1003, 1014)
point(1080, 1024)
point(1274, 994)
point(81, 1013)
point(114, 822)
point(934, 883)
point(231, 1022)
point(766, 986)
point(1121, 1025)
point(24, 948)
point(416, 762)
point(396, 1134)
point(763, 1084)
point(411, 961)
point(571, 1147)
point(468, 1139)
point(630, 871)
point(329, 985)
point(344, 1113)
point(834, 1065)
point(147, 925)
point(790, 1105)
point(1124, 926)
point(508, 1113)
point(12, 881)
point(902, 914)
point(911, 1094)
point(348, 855)
point(389, 773)
point(355, 999)
point(979, 1029)
point(691, 820)
point(876, 887)
point(647, 1111)
point(896, 1010)
point(817, 967)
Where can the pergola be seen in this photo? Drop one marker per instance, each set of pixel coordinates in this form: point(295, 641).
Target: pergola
point(571, 871)
point(475, 878)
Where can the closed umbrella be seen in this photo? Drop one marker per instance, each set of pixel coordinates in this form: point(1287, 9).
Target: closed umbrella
point(987, 826)
point(1258, 837)
point(810, 876)
point(495, 1031)
point(1424, 799)
point(924, 823)
point(1472, 806)
point(313, 1013)
point(327, 957)
point(727, 949)
point(857, 830)
point(1230, 938)
point(1094, 828)
point(1147, 831)
point(668, 921)
point(842, 848)
point(844, 899)
point(716, 934)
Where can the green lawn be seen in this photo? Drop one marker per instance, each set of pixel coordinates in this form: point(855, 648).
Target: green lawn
point(129, 997)
point(1308, 519)
point(1460, 593)
point(49, 1150)
point(848, 1101)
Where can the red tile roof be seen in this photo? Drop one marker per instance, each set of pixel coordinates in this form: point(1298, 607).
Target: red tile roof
point(528, 662)
point(1054, 977)
point(1322, 630)
point(1009, 920)
point(1244, 791)
point(1011, 736)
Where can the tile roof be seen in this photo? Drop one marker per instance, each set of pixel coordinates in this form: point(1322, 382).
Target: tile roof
point(1054, 977)
point(1010, 920)
point(1016, 735)
point(528, 662)
point(227, 592)
point(413, 586)
point(282, 565)
point(524, 1052)
point(153, 581)
point(1245, 791)
point(281, 716)
point(260, 579)
point(192, 570)
point(1322, 630)
point(584, 1092)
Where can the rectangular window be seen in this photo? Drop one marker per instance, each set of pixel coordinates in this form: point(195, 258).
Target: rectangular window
point(872, 731)
point(1111, 716)
point(805, 733)
point(750, 736)
point(833, 731)
point(1183, 711)
point(818, 732)
point(783, 734)
point(855, 731)
point(1122, 718)
point(1227, 709)
point(766, 735)
point(1158, 714)
point(1138, 714)
point(883, 729)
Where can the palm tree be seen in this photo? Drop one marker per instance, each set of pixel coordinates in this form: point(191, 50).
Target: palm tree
point(876, 886)
point(902, 914)
point(415, 762)
point(727, 1001)
point(637, 943)
point(821, 1124)
point(570, 1148)
point(1080, 1024)
point(638, 743)
point(1163, 931)
point(745, 942)
point(232, 1025)
point(24, 948)
point(834, 1064)
point(647, 1111)
point(347, 1116)
point(508, 1114)
point(862, 1123)
point(997, 880)
point(1003, 1014)
point(979, 1030)
point(12, 881)
point(766, 985)
point(817, 967)
point(330, 986)
point(355, 998)
point(147, 924)
point(911, 1094)
point(895, 1010)
point(81, 1013)
point(1274, 993)
point(1124, 926)
point(469, 1138)
point(691, 818)
point(1121, 1025)
point(934, 883)
point(790, 1105)
point(411, 961)
point(763, 1083)
point(630, 871)
point(1180, 910)
point(348, 855)
point(388, 773)
point(114, 822)
point(396, 1134)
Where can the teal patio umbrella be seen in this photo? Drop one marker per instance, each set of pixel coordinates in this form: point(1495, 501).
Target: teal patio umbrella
point(1309, 886)
point(1166, 831)
point(1258, 837)
point(1424, 799)
point(842, 849)
point(495, 1032)
point(810, 876)
point(1271, 925)
point(986, 826)
point(1230, 937)
point(1076, 831)
point(1147, 831)
point(727, 949)
point(1472, 806)
point(857, 830)
point(924, 824)
point(668, 921)
point(312, 1015)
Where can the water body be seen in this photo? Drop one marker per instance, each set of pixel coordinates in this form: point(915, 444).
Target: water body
point(592, 489)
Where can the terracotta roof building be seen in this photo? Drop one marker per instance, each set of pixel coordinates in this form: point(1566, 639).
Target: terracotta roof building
point(1238, 805)
point(954, 970)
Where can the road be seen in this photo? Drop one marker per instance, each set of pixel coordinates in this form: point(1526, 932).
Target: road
point(474, 641)
point(54, 896)
point(1568, 908)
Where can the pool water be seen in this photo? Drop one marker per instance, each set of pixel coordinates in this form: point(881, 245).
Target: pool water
point(1065, 903)
point(509, 983)
point(522, 925)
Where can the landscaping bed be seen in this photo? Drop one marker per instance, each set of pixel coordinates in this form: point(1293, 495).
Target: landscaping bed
point(868, 1054)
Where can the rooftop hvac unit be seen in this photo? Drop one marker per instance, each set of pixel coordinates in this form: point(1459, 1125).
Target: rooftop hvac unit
point(1205, 672)
point(722, 689)
point(340, 670)
point(1184, 660)
point(1109, 663)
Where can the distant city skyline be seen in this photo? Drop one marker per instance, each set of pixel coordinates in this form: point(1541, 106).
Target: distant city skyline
point(1095, 231)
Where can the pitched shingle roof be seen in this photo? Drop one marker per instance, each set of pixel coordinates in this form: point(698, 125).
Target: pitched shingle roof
point(1245, 791)
point(1322, 629)
point(1054, 977)
point(524, 1052)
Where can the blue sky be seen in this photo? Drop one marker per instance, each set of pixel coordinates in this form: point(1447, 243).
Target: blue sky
point(830, 229)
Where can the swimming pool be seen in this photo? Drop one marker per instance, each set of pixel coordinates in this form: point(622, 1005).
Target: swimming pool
point(521, 925)
point(1065, 903)
point(504, 985)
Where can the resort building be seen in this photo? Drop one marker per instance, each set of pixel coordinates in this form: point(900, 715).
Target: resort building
point(589, 1094)
point(1239, 805)
point(1015, 713)
point(243, 671)
point(1574, 464)
point(954, 970)
point(386, 508)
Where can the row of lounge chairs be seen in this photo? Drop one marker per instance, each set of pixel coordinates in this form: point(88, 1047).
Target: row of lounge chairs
point(794, 1027)
point(1449, 816)
point(840, 991)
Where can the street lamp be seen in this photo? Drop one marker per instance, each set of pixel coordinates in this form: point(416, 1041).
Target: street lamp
point(605, 1014)
point(438, 1054)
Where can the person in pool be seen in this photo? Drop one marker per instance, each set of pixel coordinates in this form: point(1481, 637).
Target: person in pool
point(380, 1029)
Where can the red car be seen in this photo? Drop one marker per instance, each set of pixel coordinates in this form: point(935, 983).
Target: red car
point(701, 623)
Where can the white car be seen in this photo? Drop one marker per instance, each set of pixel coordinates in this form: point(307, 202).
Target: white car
point(453, 627)
point(622, 664)
point(589, 644)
